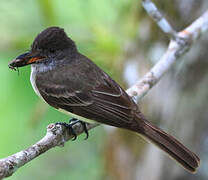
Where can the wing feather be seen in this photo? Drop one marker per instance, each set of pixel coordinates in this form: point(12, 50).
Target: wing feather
point(106, 102)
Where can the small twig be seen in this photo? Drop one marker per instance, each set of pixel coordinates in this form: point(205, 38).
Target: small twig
point(157, 16)
point(197, 28)
point(175, 50)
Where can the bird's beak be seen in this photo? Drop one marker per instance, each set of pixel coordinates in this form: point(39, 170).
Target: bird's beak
point(24, 59)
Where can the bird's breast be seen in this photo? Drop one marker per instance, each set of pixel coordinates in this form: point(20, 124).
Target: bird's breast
point(33, 80)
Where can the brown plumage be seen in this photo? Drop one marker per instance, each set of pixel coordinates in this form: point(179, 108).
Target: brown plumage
point(67, 80)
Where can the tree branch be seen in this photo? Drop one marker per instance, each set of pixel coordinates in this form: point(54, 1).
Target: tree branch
point(157, 16)
point(177, 47)
point(57, 135)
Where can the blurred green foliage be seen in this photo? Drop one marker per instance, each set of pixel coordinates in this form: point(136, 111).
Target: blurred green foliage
point(100, 29)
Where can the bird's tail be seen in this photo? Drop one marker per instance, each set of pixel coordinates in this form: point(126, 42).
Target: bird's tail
point(189, 160)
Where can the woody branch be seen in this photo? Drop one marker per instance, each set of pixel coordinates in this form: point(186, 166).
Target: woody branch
point(57, 135)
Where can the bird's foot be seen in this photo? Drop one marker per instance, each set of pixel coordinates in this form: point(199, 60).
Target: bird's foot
point(70, 125)
point(74, 121)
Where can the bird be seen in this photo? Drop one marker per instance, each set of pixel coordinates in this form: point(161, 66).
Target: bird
point(71, 83)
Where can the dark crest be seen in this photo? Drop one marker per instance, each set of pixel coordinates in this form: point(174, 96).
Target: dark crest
point(52, 39)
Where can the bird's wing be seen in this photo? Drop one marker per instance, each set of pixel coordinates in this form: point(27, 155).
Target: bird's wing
point(112, 102)
point(106, 102)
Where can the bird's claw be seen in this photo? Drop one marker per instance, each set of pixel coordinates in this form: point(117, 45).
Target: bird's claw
point(85, 130)
point(70, 125)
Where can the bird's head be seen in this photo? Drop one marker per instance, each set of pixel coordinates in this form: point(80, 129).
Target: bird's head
point(48, 43)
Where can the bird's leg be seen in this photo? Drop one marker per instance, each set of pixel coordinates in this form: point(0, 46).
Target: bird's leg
point(74, 121)
point(85, 130)
point(70, 125)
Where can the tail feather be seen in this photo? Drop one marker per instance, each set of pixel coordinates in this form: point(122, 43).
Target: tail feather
point(171, 146)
